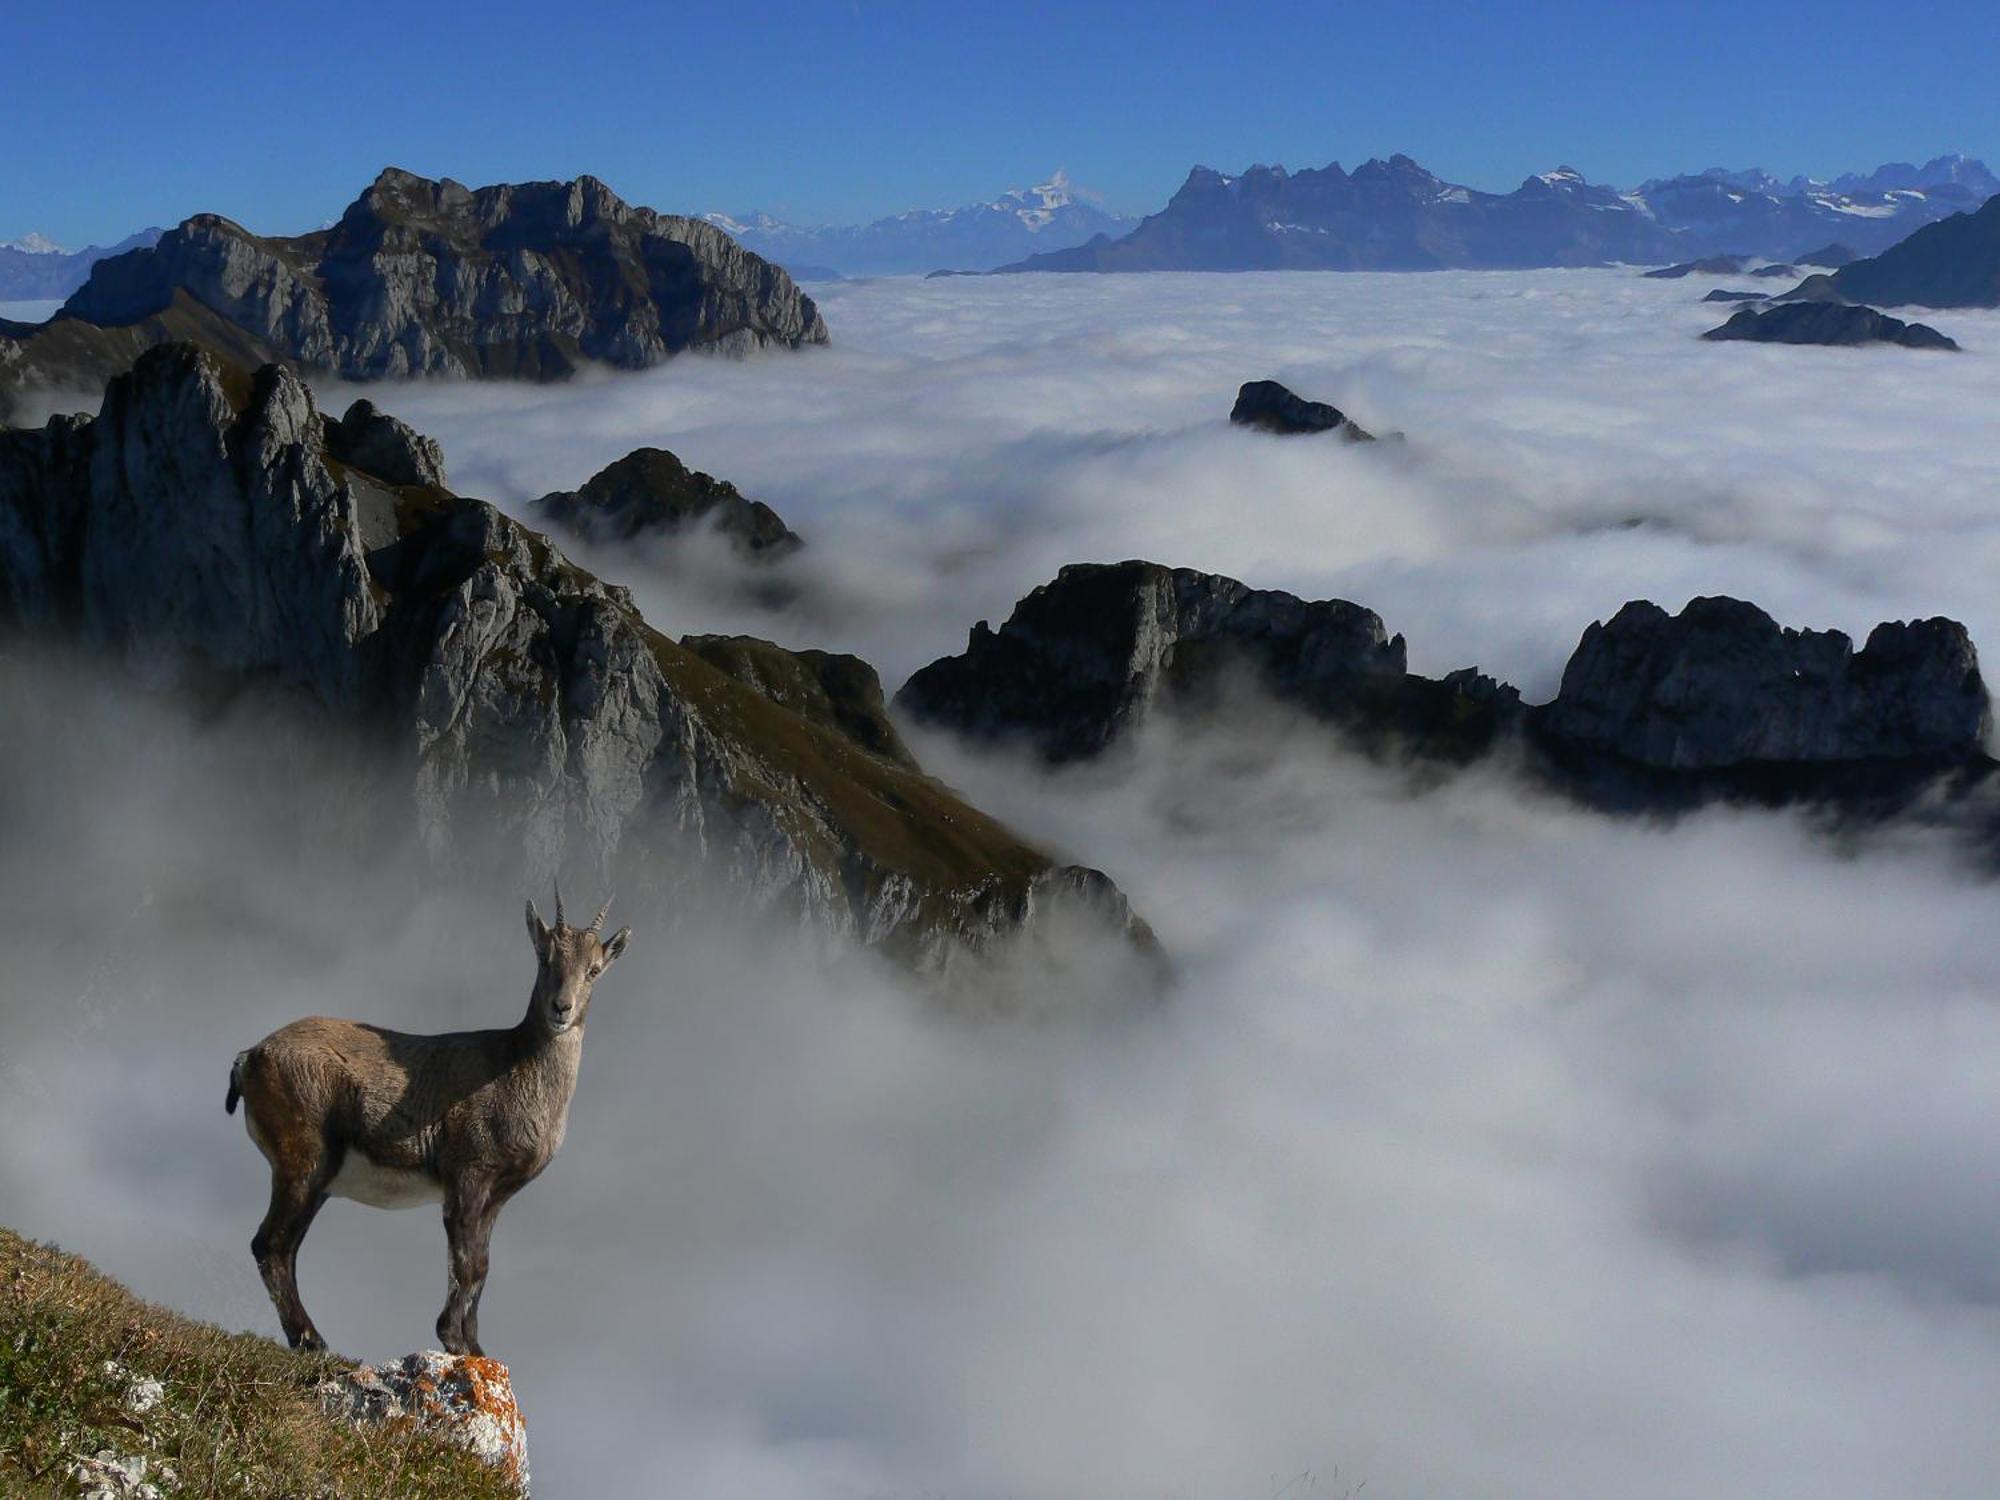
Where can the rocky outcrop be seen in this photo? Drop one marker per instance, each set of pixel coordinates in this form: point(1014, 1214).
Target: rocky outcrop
point(1723, 294)
point(466, 1399)
point(200, 530)
point(1656, 711)
point(1828, 257)
point(649, 492)
point(1659, 708)
point(385, 446)
point(1710, 265)
point(1271, 407)
point(526, 281)
point(1089, 656)
point(838, 692)
point(1952, 263)
point(1723, 684)
point(1834, 323)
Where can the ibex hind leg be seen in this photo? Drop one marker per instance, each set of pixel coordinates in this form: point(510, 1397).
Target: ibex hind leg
point(295, 1200)
point(301, 1168)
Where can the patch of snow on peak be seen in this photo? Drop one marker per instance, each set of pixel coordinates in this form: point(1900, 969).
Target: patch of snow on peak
point(34, 244)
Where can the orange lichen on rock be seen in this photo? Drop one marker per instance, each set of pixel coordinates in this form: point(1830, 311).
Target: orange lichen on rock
point(464, 1398)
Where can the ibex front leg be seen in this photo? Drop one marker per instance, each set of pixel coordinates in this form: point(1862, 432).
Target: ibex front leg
point(470, 1207)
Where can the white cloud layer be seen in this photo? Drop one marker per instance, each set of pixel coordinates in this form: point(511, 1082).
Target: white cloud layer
point(1486, 1147)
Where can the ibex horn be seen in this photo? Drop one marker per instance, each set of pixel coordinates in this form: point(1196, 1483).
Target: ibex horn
point(559, 906)
point(597, 922)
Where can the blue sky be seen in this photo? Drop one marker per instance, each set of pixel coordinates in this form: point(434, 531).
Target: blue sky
point(277, 113)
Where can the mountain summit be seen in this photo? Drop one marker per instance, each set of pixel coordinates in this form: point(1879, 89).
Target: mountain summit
point(420, 277)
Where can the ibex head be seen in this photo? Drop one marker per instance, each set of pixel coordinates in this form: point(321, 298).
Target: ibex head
point(571, 960)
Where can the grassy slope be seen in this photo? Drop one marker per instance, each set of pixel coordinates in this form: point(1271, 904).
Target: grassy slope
point(238, 1416)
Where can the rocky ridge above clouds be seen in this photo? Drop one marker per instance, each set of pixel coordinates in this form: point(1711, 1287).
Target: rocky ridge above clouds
point(517, 281)
point(205, 530)
point(1656, 711)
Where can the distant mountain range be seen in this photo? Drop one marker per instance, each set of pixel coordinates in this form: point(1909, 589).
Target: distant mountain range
point(33, 269)
point(1396, 216)
point(1952, 263)
point(1053, 216)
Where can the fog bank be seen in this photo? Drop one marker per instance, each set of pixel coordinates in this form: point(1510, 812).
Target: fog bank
point(1483, 1147)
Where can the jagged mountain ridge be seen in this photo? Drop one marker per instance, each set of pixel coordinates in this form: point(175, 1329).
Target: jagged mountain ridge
point(211, 526)
point(1396, 215)
point(421, 277)
point(1656, 712)
point(974, 237)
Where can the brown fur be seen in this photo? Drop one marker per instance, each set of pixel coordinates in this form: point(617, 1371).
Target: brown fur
point(474, 1115)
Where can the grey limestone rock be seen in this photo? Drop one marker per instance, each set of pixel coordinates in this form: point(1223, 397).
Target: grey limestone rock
point(198, 531)
point(385, 446)
point(522, 280)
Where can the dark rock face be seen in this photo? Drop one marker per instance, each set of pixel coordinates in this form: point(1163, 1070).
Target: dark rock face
point(1271, 407)
point(1090, 655)
point(1657, 712)
point(1713, 265)
point(524, 281)
point(385, 446)
point(1776, 270)
point(199, 530)
point(1835, 323)
point(1952, 263)
point(651, 492)
point(1721, 686)
point(1721, 294)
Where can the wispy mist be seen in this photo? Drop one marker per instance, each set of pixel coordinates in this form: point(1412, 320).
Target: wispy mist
point(1484, 1146)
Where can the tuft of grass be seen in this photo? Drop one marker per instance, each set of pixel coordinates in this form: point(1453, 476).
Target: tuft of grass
point(234, 1414)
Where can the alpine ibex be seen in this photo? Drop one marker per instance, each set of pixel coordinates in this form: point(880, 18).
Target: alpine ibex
point(469, 1118)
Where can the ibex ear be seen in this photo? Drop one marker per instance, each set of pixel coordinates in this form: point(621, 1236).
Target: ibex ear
point(538, 930)
point(616, 945)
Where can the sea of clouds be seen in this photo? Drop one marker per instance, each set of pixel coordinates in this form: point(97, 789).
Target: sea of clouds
point(1483, 1146)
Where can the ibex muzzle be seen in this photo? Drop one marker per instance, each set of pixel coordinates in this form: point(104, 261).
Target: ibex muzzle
point(469, 1118)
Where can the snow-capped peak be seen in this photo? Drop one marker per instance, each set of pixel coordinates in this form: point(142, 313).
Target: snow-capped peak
point(1057, 191)
point(33, 244)
point(744, 223)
